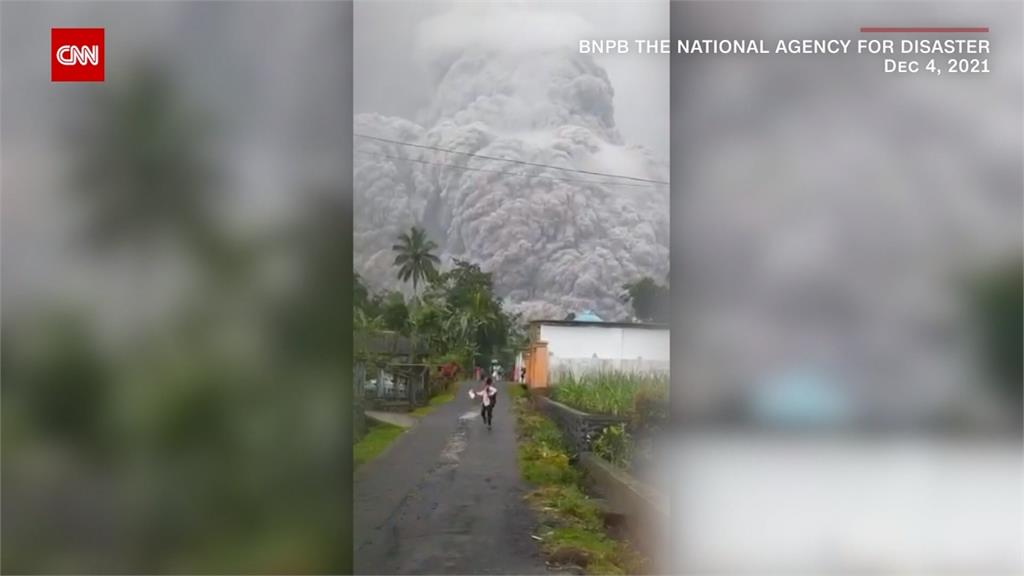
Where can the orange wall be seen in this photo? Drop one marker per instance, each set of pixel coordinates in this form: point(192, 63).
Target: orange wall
point(537, 365)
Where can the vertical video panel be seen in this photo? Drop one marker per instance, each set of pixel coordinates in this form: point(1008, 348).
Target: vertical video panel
point(847, 240)
point(175, 232)
point(511, 236)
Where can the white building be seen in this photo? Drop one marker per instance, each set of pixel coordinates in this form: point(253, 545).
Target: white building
point(581, 346)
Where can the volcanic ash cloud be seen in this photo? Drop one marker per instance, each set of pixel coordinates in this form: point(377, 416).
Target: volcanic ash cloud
point(555, 240)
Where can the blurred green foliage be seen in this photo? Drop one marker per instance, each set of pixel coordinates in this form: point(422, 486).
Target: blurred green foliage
point(144, 175)
point(213, 435)
point(997, 306)
point(62, 382)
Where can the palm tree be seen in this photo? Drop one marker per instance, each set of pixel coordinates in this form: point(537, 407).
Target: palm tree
point(415, 258)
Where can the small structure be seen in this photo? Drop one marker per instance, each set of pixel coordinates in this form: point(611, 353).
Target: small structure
point(391, 372)
point(588, 344)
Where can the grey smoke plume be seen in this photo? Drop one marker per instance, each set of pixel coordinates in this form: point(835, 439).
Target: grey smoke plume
point(555, 241)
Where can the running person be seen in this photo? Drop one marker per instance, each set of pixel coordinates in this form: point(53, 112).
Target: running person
point(488, 397)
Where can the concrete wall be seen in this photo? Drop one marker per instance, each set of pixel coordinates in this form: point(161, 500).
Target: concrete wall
point(579, 429)
point(580, 349)
point(644, 509)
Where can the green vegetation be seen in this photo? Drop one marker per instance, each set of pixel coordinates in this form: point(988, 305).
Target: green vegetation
point(642, 398)
point(144, 136)
point(457, 315)
point(542, 457)
point(378, 437)
point(651, 301)
point(615, 444)
point(433, 404)
point(572, 528)
point(415, 257)
point(612, 393)
point(166, 434)
point(996, 306)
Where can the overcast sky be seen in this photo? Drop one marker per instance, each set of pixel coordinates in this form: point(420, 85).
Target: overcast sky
point(391, 79)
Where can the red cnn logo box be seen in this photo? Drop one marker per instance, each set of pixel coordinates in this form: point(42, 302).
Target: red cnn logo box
point(76, 54)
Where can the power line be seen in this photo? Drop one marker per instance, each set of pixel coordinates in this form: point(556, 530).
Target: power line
point(471, 169)
point(523, 162)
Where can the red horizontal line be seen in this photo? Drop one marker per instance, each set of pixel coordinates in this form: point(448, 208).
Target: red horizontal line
point(923, 29)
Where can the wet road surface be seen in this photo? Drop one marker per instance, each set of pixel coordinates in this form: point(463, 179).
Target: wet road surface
point(447, 498)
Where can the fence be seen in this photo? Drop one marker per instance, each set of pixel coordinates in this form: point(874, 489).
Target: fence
point(391, 376)
point(396, 386)
point(559, 367)
point(358, 397)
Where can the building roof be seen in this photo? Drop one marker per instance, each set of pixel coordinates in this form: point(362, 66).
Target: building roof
point(390, 343)
point(588, 316)
point(601, 324)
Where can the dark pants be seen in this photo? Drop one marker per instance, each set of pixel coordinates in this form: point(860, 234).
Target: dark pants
point(487, 412)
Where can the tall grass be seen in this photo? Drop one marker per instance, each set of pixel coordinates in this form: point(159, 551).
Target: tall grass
point(571, 529)
point(613, 393)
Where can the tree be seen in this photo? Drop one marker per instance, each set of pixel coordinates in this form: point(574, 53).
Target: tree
point(458, 315)
point(393, 311)
point(651, 302)
point(464, 282)
point(427, 321)
point(415, 258)
point(468, 292)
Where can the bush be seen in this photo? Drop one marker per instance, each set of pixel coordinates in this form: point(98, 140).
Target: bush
point(574, 507)
point(545, 466)
point(541, 430)
point(650, 410)
point(444, 375)
point(615, 445)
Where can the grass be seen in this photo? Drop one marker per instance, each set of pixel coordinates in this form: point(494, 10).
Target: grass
point(433, 404)
point(378, 437)
point(572, 526)
point(601, 554)
point(516, 391)
point(612, 393)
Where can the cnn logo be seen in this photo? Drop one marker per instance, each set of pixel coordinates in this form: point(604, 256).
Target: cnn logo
point(76, 54)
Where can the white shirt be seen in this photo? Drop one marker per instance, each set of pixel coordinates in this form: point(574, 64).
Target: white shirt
point(485, 398)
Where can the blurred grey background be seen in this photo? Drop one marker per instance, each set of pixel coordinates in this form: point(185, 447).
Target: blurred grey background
point(847, 238)
point(847, 272)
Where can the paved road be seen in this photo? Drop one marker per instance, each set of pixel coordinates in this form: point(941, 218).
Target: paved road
point(393, 418)
point(447, 498)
